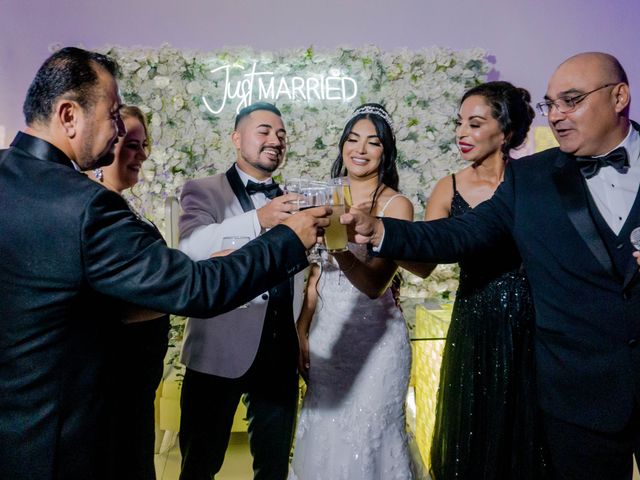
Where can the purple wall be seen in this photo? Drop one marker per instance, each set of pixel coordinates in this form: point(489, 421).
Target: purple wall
point(527, 38)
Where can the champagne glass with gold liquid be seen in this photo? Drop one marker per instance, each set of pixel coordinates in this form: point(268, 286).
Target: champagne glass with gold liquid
point(339, 198)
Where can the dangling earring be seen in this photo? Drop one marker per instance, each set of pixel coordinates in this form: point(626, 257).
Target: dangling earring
point(99, 175)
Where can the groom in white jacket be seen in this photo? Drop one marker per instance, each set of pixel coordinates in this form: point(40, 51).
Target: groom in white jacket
point(253, 350)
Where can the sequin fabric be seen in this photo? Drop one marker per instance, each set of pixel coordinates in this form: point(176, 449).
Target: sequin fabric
point(486, 425)
point(352, 423)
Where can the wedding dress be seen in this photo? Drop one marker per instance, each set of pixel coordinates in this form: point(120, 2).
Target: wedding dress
point(352, 422)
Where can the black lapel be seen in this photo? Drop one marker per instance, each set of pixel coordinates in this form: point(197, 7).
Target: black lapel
point(634, 216)
point(570, 186)
point(632, 265)
point(36, 147)
point(238, 188)
point(245, 200)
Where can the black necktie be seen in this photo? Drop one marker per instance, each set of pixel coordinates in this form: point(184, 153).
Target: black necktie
point(590, 166)
point(270, 190)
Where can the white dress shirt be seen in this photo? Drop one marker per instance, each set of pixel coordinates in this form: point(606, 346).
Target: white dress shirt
point(201, 242)
point(613, 192)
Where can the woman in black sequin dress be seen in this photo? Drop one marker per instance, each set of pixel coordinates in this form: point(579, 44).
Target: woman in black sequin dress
point(486, 410)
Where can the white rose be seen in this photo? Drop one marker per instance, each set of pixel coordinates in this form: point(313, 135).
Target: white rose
point(161, 81)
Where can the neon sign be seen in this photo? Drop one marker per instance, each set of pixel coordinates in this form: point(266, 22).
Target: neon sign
point(257, 86)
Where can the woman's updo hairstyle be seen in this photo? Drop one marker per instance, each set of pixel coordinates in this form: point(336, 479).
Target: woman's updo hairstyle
point(511, 107)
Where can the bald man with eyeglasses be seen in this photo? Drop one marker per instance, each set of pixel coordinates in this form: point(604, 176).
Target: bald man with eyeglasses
point(570, 211)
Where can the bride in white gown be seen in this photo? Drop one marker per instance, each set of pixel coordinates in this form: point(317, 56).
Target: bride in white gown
point(355, 352)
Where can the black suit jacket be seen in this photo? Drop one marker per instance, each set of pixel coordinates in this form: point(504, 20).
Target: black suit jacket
point(68, 247)
point(587, 315)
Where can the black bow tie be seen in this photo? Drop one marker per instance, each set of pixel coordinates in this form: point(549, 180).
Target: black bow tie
point(270, 190)
point(590, 166)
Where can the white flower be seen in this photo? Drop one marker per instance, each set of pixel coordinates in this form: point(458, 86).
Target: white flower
point(194, 88)
point(178, 103)
point(161, 81)
point(419, 88)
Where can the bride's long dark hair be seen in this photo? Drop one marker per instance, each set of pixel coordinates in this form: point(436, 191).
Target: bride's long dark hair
point(387, 170)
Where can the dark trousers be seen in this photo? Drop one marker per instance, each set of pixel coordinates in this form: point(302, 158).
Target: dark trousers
point(131, 436)
point(208, 404)
point(578, 453)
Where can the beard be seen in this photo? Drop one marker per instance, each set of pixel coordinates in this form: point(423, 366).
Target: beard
point(87, 161)
point(86, 158)
point(265, 166)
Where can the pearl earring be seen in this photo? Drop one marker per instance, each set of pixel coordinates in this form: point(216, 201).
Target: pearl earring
point(99, 174)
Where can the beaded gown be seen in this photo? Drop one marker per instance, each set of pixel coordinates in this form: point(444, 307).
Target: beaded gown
point(486, 407)
point(352, 423)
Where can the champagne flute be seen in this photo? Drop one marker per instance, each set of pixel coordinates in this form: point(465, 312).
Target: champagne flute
point(339, 198)
point(314, 194)
point(295, 185)
point(234, 242)
point(310, 194)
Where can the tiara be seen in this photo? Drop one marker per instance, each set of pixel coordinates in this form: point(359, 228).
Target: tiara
point(374, 111)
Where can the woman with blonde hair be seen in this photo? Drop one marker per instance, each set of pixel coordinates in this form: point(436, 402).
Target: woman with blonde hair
point(141, 338)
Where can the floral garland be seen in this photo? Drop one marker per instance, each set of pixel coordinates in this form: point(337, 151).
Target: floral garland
point(420, 90)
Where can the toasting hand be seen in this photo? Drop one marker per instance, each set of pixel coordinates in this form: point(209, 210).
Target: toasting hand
point(307, 224)
point(277, 210)
point(366, 228)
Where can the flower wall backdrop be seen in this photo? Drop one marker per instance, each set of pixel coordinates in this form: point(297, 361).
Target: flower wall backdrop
point(191, 99)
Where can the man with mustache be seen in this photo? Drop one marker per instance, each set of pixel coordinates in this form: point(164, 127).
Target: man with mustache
point(570, 211)
point(71, 251)
point(253, 350)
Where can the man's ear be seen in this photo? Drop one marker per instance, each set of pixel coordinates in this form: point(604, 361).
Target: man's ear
point(235, 138)
point(622, 96)
point(67, 114)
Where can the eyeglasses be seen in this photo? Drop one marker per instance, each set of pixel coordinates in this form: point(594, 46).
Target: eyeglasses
point(566, 104)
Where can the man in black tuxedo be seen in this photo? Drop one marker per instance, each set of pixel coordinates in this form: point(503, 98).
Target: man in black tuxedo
point(69, 247)
point(570, 211)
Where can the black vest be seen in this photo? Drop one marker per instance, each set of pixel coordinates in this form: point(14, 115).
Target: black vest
point(618, 246)
point(278, 321)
